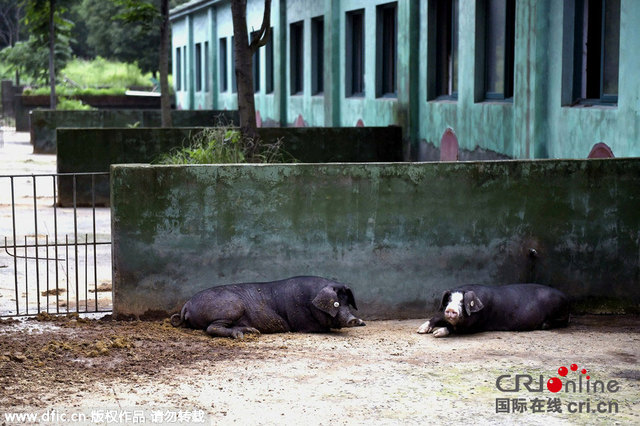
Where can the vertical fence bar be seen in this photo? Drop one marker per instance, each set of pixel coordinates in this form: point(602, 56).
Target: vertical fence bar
point(86, 270)
point(55, 242)
point(75, 240)
point(66, 248)
point(46, 242)
point(15, 248)
point(26, 276)
point(95, 256)
point(35, 221)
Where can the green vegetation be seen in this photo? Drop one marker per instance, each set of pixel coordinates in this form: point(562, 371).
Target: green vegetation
point(96, 77)
point(223, 145)
point(30, 59)
point(67, 104)
point(71, 91)
point(102, 73)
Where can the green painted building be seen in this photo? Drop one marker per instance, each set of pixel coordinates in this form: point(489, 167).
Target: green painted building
point(519, 79)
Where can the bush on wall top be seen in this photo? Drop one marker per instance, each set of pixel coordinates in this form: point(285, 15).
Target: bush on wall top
point(225, 145)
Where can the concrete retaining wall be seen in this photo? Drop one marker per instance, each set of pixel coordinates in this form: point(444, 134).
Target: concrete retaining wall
point(94, 150)
point(398, 234)
point(24, 104)
point(45, 122)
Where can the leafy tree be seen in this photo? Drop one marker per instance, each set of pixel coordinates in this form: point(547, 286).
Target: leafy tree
point(113, 38)
point(151, 17)
point(80, 32)
point(244, 50)
point(45, 20)
point(10, 16)
point(31, 58)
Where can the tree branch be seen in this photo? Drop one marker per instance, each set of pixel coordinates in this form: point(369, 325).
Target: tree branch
point(261, 38)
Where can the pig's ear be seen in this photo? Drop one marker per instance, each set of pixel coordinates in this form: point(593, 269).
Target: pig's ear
point(445, 300)
point(350, 299)
point(471, 302)
point(327, 301)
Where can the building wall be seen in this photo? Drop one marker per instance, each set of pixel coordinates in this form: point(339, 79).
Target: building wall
point(537, 122)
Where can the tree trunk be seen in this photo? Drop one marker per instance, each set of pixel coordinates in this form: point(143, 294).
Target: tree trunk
point(52, 53)
point(244, 62)
point(243, 69)
point(165, 96)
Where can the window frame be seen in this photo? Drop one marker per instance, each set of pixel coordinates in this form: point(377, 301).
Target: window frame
point(255, 66)
point(387, 53)
point(206, 66)
point(269, 67)
point(234, 82)
point(296, 58)
point(185, 79)
point(197, 59)
point(317, 55)
point(443, 18)
point(508, 70)
point(355, 55)
point(582, 87)
point(223, 69)
point(178, 79)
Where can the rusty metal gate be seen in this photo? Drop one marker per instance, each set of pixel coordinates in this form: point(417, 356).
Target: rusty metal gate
point(55, 256)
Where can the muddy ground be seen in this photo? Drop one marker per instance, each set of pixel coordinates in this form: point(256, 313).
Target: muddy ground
point(384, 373)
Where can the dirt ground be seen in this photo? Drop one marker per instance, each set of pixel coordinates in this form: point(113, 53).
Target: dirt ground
point(384, 373)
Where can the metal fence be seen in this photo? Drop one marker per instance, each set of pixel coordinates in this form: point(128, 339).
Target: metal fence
point(53, 259)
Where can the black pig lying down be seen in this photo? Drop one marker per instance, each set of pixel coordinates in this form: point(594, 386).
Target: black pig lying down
point(514, 307)
point(306, 304)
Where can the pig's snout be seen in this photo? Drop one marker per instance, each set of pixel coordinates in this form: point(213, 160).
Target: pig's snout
point(355, 322)
point(451, 315)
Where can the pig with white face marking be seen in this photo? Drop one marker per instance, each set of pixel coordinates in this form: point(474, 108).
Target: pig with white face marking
point(514, 307)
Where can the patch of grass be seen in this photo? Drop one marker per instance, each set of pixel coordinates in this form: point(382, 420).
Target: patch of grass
point(66, 104)
point(225, 145)
point(99, 73)
point(97, 77)
point(211, 146)
point(71, 91)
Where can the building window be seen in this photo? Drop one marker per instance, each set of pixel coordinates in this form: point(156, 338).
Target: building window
point(256, 66)
point(317, 55)
point(443, 45)
point(386, 49)
point(597, 49)
point(296, 56)
point(223, 65)
point(234, 83)
point(198, 67)
point(206, 66)
point(268, 53)
point(178, 69)
point(499, 37)
point(184, 67)
point(355, 53)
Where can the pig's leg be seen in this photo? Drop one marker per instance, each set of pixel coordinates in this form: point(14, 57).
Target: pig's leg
point(224, 328)
point(437, 321)
point(441, 332)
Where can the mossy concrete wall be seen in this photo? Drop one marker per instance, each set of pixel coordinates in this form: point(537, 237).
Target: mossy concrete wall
point(45, 122)
point(94, 150)
point(398, 234)
point(24, 104)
